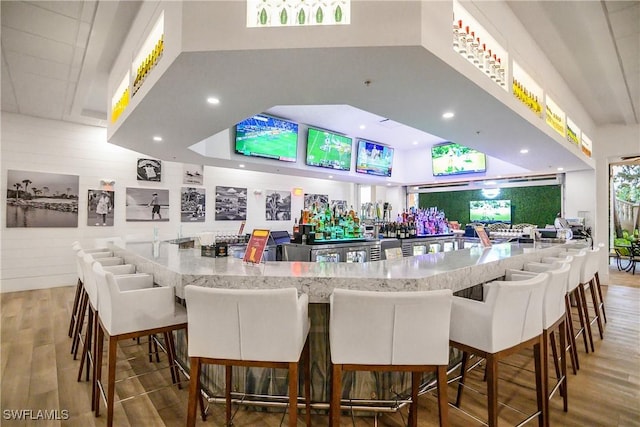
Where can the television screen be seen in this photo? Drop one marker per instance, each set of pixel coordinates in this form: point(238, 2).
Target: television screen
point(265, 136)
point(328, 150)
point(456, 159)
point(490, 211)
point(374, 158)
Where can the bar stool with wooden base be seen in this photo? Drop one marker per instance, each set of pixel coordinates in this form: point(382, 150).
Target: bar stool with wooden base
point(248, 327)
point(509, 320)
point(554, 320)
point(390, 331)
point(127, 314)
point(588, 283)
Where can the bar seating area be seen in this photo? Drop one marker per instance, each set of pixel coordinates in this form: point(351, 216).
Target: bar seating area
point(368, 331)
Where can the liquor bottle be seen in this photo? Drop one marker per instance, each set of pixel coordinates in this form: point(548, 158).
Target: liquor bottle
point(472, 53)
point(496, 68)
point(501, 72)
point(470, 41)
point(463, 39)
point(487, 62)
point(456, 36)
point(480, 55)
point(492, 66)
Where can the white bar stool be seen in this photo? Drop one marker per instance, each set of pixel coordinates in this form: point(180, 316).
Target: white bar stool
point(509, 320)
point(390, 331)
point(248, 327)
point(554, 319)
point(122, 315)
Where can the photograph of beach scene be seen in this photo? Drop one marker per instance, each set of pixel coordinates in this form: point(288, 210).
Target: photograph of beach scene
point(39, 199)
point(147, 204)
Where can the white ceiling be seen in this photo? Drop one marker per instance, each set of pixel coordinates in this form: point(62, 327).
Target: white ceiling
point(56, 57)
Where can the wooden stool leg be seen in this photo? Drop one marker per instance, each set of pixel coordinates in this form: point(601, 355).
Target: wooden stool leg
point(228, 379)
point(413, 407)
point(84, 357)
point(84, 299)
point(194, 391)
point(601, 305)
point(74, 310)
point(98, 370)
point(492, 390)
point(585, 310)
point(596, 306)
point(336, 396)
point(293, 394)
point(583, 328)
point(563, 368)
point(443, 400)
point(554, 354)
point(111, 379)
point(541, 392)
point(572, 337)
point(463, 375)
point(307, 382)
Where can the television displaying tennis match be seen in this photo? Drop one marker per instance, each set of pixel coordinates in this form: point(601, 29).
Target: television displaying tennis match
point(328, 150)
point(268, 137)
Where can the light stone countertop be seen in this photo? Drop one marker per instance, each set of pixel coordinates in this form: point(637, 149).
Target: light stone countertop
point(456, 270)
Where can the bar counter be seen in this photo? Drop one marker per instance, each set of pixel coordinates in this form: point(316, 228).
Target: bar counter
point(455, 270)
point(460, 270)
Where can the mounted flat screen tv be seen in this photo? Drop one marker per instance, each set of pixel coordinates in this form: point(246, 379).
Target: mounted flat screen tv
point(328, 150)
point(374, 158)
point(269, 137)
point(455, 159)
point(490, 211)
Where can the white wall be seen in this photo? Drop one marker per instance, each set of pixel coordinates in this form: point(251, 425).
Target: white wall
point(34, 258)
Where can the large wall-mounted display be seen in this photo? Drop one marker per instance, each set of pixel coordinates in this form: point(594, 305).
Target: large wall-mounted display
point(374, 158)
point(268, 137)
point(328, 150)
point(455, 159)
point(532, 205)
point(488, 211)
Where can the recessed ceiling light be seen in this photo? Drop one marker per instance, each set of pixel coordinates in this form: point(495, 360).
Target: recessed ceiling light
point(560, 169)
point(330, 176)
point(157, 138)
point(415, 142)
point(388, 183)
point(241, 165)
point(524, 151)
point(448, 115)
point(362, 126)
point(213, 101)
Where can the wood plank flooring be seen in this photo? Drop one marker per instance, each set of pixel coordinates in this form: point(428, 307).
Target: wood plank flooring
point(38, 372)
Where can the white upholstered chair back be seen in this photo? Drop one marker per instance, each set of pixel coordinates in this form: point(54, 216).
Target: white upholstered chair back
point(390, 328)
point(507, 317)
point(554, 305)
point(130, 303)
point(533, 319)
point(576, 260)
point(590, 266)
point(266, 325)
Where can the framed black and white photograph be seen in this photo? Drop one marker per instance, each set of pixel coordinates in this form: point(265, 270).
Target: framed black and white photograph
point(320, 201)
point(192, 174)
point(338, 207)
point(192, 204)
point(147, 204)
point(278, 205)
point(149, 170)
point(40, 199)
point(231, 203)
point(100, 208)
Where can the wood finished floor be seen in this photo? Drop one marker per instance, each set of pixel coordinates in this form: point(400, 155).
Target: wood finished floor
point(39, 373)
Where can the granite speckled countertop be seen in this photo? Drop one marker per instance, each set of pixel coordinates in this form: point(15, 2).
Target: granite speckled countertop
point(454, 270)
